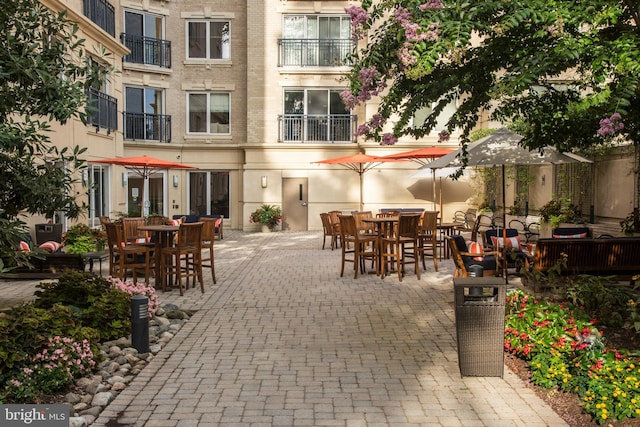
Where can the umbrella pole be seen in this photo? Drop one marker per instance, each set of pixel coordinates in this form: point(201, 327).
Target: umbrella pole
point(361, 189)
point(433, 172)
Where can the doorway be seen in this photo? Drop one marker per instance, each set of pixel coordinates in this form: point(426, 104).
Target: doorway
point(294, 204)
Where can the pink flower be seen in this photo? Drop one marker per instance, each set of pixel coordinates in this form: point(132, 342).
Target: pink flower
point(358, 15)
point(388, 139)
point(611, 125)
point(431, 4)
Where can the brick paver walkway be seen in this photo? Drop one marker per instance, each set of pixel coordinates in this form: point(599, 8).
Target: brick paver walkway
point(283, 340)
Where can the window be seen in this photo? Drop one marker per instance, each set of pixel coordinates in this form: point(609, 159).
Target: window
point(315, 40)
point(208, 40)
point(98, 194)
point(143, 118)
point(208, 113)
point(143, 35)
point(102, 108)
point(209, 193)
point(315, 115)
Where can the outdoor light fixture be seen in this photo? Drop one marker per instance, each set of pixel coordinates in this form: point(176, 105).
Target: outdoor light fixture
point(543, 179)
point(175, 181)
point(125, 179)
point(85, 178)
point(263, 181)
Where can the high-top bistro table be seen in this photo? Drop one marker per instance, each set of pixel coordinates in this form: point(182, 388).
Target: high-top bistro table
point(163, 239)
point(384, 227)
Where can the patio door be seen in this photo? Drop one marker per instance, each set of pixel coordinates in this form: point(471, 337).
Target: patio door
point(294, 204)
point(154, 195)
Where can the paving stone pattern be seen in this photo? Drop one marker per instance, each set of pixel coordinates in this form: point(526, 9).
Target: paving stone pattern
point(282, 340)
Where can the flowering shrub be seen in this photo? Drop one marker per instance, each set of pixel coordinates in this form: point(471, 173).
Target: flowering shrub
point(139, 288)
point(611, 125)
point(52, 369)
point(566, 350)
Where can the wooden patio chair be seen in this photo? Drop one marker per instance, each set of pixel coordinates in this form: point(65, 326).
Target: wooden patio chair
point(124, 258)
point(208, 238)
point(188, 249)
point(360, 246)
point(131, 233)
point(428, 237)
point(403, 247)
point(463, 258)
point(328, 230)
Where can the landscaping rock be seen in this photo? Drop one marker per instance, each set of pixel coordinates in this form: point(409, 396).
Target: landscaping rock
point(121, 363)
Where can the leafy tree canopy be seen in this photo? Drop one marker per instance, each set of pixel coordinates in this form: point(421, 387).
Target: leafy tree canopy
point(44, 72)
point(565, 71)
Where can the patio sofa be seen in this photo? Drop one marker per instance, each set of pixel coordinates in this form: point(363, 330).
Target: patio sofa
point(617, 256)
point(49, 267)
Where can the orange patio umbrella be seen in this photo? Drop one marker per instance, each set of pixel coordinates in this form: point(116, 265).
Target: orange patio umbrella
point(144, 166)
point(360, 163)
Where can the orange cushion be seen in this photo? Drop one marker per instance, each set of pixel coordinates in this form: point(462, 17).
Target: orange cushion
point(511, 243)
point(24, 246)
point(50, 246)
point(218, 221)
point(475, 248)
point(175, 222)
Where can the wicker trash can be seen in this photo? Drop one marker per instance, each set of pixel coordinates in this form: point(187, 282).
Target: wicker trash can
point(480, 311)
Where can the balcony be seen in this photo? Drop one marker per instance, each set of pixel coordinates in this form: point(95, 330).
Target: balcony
point(102, 111)
point(335, 128)
point(147, 50)
point(101, 13)
point(147, 127)
point(314, 52)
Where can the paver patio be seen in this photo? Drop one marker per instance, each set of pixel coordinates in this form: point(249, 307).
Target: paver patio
point(283, 340)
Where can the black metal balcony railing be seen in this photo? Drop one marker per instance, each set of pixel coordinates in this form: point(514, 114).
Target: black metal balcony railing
point(147, 127)
point(101, 13)
point(314, 52)
point(324, 128)
point(147, 50)
point(102, 111)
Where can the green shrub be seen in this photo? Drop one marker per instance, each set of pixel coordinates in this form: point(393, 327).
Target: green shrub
point(96, 301)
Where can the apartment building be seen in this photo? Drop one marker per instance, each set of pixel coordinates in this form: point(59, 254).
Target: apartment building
point(247, 92)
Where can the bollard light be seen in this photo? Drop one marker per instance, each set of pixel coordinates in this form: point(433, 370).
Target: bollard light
point(140, 323)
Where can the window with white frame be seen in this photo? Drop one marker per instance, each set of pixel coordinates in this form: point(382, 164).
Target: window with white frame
point(208, 112)
point(98, 193)
point(315, 114)
point(208, 39)
point(315, 40)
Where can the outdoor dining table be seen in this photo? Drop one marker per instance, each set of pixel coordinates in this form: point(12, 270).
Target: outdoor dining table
point(383, 227)
point(163, 239)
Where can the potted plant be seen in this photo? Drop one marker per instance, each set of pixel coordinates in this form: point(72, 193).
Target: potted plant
point(631, 224)
point(555, 212)
point(81, 238)
point(267, 215)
